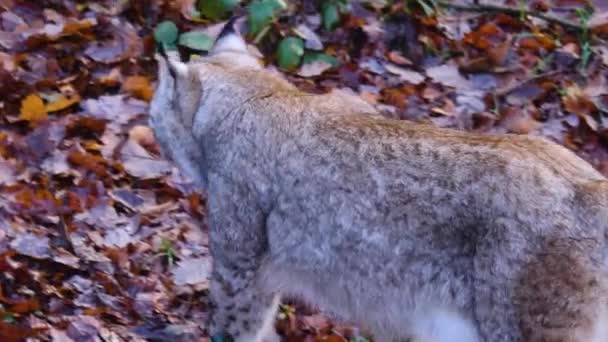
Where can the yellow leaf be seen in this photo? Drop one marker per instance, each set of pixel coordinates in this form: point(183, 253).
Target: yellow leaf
point(138, 86)
point(62, 102)
point(32, 109)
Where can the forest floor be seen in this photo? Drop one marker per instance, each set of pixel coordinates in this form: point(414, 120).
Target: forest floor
point(103, 240)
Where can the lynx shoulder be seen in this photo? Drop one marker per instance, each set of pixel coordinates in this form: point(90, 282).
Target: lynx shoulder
point(410, 230)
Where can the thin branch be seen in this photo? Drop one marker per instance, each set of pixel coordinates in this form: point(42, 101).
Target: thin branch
point(513, 87)
point(510, 11)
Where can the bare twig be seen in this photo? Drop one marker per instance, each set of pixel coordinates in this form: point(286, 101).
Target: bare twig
point(66, 236)
point(510, 11)
point(511, 88)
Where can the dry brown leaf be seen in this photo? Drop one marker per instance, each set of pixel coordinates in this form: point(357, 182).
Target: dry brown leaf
point(62, 102)
point(138, 86)
point(142, 135)
point(14, 333)
point(397, 58)
point(577, 102)
point(519, 121)
point(33, 109)
point(141, 164)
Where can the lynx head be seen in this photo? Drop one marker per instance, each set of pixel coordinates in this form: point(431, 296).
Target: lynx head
point(229, 55)
point(191, 95)
point(229, 52)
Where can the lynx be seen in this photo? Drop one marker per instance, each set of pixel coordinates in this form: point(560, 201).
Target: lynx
point(414, 232)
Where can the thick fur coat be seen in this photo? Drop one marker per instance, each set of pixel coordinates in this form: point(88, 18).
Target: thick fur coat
point(412, 231)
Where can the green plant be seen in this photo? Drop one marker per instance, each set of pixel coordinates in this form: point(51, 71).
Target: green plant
point(8, 317)
point(542, 64)
point(584, 14)
point(216, 9)
point(330, 12)
point(166, 34)
point(166, 250)
point(290, 52)
point(261, 13)
point(313, 56)
point(428, 6)
point(523, 9)
point(195, 40)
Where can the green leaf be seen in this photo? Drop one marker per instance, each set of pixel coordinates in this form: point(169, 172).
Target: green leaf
point(166, 33)
point(289, 52)
point(8, 318)
point(311, 57)
point(427, 8)
point(278, 4)
point(330, 15)
point(261, 13)
point(196, 41)
point(216, 9)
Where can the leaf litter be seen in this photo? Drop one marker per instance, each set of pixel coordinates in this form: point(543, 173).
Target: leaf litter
point(102, 239)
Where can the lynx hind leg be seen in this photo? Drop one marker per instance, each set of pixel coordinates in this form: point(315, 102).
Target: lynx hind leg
point(564, 297)
point(242, 310)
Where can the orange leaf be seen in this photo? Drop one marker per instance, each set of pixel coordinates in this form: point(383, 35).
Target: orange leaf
point(24, 306)
point(332, 338)
point(32, 109)
point(93, 163)
point(14, 333)
point(76, 26)
point(138, 86)
point(62, 103)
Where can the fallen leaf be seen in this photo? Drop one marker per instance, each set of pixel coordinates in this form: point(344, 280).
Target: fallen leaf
point(84, 328)
point(7, 173)
point(32, 245)
point(397, 58)
point(142, 135)
point(89, 162)
point(33, 109)
point(138, 86)
point(124, 44)
point(119, 237)
point(118, 109)
point(192, 271)
point(311, 39)
point(59, 336)
point(56, 163)
point(14, 333)
point(62, 102)
point(448, 75)
point(314, 68)
point(519, 120)
point(141, 164)
point(404, 74)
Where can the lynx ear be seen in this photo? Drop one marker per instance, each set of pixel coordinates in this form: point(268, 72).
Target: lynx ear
point(231, 49)
point(230, 39)
point(176, 67)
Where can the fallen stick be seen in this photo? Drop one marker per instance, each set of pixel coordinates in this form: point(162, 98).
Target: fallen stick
point(510, 11)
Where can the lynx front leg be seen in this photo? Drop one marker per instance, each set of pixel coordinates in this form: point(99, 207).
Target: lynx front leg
point(242, 309)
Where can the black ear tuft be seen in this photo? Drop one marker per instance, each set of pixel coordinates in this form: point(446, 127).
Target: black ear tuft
point(162, 50)
point(230, 38)
point(230, 28)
